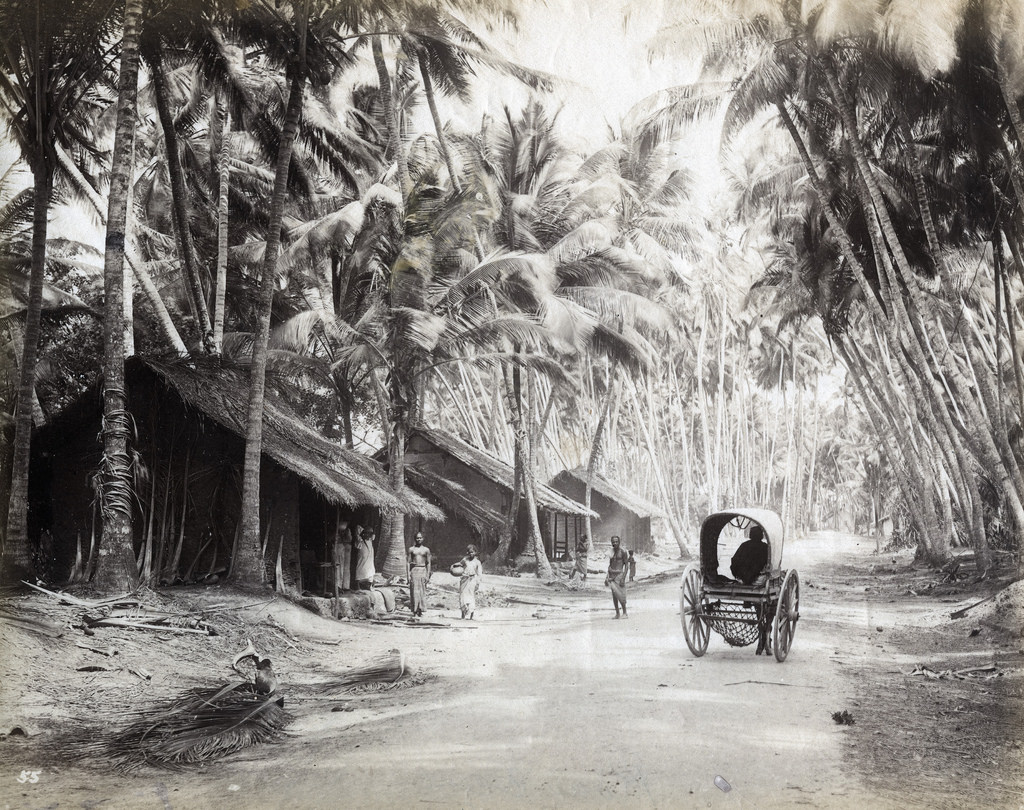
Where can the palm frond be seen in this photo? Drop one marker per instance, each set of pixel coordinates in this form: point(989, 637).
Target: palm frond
point(201, 725)
point(387, 668)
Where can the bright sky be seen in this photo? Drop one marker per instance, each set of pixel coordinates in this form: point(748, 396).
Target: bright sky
point(602, 57)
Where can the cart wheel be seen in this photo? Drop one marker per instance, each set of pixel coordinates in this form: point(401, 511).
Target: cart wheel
point(786, 615)
point(696, 629)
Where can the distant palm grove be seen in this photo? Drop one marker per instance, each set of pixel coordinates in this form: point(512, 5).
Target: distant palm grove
point(821, 314)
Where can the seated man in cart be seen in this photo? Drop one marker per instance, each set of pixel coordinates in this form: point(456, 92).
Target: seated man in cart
point(750, 559)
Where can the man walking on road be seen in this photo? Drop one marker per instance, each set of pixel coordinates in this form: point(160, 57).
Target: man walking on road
point(616, 578)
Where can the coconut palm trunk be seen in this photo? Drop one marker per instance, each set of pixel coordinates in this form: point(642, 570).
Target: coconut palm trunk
point(17, 557)
point(595, 449)
point(248, 566)
point(989, 454)
point(442, 141)
point(73, 174)
point(946, 436)
point(394, 553)
point(677, 531)
point(179, 196)
point(116, 569)
point(395, 149)
point(223, 187)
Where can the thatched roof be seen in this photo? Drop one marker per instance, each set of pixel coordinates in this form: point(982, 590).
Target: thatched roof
point(453, 496)
point(340, 475)
point(497, 470)
point(615, 492)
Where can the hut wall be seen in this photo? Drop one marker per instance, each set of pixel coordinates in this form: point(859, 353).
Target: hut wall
point(616, 518)
point(189, 475)
point(478, 486)
point(448, 540)
point(61, 514)
point(279, 520)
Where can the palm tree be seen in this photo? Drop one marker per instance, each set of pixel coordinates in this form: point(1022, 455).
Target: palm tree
point(116, 569)
point(52, 54)
point(308, 42)
point(816, 70)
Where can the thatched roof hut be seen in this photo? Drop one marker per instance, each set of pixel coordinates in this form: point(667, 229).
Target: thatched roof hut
point(623, 513)
point(190, 422)
point(474, 489)
point(340, 475)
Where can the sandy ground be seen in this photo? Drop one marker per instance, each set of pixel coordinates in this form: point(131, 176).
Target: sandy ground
point(546, 701)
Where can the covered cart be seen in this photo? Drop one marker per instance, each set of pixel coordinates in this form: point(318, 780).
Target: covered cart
point(765, 611)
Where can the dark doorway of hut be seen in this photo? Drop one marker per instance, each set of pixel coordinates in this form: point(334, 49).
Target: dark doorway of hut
point(320, 524)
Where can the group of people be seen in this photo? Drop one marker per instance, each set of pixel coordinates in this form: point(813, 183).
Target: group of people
point(353, 559)
point(353, 556)
point(469, 570)
point(354, 566)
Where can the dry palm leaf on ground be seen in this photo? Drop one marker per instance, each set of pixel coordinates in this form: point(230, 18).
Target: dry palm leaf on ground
point(200, 725)
point(385, 671)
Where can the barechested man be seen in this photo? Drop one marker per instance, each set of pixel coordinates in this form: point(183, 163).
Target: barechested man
point(419, 574)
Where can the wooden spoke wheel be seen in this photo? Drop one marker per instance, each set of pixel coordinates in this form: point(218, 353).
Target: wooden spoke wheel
point(696, 629)
point(786, 615)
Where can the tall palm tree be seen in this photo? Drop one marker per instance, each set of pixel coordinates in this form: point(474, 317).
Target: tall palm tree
point(116, 569)
point(306, 37)
point(53, 52)
point(826, 68)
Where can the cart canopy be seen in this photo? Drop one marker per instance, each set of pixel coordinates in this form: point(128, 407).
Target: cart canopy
point(713, 524)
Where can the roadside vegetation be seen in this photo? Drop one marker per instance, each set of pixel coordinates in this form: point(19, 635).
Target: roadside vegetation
point(315, 193)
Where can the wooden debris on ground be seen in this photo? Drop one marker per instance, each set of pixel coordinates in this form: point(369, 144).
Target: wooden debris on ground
point(140, 618)
point(520, 601)
point(88, 604)
point(987, 671)
point(107, 651)
point(956, 614)
point(144, 622)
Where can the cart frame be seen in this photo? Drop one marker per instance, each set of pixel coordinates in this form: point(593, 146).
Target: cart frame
point(766, 612)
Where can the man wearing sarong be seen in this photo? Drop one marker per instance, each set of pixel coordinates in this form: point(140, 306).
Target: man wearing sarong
point(616, 578)
point(469, 582)
point(580, 565)
point(419, 575)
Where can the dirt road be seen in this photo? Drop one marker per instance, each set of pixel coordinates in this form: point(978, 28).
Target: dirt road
point(551, 703)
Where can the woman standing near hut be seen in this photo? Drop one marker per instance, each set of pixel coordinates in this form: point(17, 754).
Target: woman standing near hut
point(469, 583)
point(365, 571)
point(342, 556)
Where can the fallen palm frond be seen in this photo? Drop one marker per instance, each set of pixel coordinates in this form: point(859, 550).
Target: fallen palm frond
point(86, 603)
point(386, 686)
point(200, 725)
point(387, 669)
